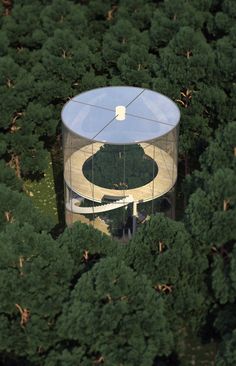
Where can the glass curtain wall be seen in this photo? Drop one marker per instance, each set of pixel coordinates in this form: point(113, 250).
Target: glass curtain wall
point(117, 178)
point(120, 157)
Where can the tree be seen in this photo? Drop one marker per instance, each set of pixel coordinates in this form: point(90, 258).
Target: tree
point(139, 12)
point(129, 167)
point(170, 16)
point(9, 178)
point(20, 27)
point(118, 40)
point(17, 208)
point(211, 221)
point(21, 141)
point(35, 276)
point(62, 14)
point(162, 249)
point(113, 316)
point(211, 209)
point(136, 66)
point(86, 246)
point(227, 354)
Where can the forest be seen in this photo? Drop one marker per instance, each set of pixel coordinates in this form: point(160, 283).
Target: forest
point(75, 296)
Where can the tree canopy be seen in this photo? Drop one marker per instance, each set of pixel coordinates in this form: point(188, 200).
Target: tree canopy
point(82, 298)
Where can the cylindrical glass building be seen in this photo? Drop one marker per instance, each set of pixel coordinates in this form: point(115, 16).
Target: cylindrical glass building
point(120, 156)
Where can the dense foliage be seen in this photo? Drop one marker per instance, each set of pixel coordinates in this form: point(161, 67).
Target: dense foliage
point(120, 167)
point(82, 298)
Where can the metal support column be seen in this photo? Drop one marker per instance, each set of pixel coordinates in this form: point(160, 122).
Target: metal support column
point(135, 215)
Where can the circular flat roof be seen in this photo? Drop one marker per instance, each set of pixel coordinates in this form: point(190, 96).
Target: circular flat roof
point(120, 115)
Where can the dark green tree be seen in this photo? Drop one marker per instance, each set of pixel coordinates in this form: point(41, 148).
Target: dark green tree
point(113, 316)
point(86, 246)
point(227, 355)
point(18, 208)
point(129, 167)
point(138, 12)
point(9, 178)
point(211, 221)
point(24, 149)
point(35, 276)
point(163, 250)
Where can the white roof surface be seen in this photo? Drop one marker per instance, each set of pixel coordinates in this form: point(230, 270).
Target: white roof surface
point(92, 115)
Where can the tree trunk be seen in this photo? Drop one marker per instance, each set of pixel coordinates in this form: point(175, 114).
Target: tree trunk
point(225, 204)
point(7, 4)
point(15, 164)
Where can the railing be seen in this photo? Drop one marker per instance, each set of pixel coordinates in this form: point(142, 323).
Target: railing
point(72, 206)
